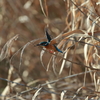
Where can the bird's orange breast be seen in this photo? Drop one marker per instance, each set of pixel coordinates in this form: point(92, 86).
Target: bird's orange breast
point(50, 47)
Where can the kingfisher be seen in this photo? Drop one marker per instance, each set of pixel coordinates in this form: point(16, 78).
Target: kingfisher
point(49, 45)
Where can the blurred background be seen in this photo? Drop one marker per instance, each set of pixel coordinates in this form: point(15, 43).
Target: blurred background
point(26, 19)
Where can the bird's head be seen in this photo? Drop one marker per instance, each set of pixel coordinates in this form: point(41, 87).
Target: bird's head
point(43, 44)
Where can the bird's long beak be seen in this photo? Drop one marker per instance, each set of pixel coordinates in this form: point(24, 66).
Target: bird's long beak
point(37, 45)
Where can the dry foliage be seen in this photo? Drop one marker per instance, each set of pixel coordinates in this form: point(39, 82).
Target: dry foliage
point(73, 74)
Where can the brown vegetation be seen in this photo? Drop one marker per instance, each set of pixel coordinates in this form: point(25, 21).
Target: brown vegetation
point(27, 73)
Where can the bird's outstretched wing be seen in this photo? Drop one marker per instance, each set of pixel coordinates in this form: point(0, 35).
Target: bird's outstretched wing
point(48, 36)
point(58, 49)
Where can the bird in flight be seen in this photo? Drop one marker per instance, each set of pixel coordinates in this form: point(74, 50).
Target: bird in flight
point(49, 45)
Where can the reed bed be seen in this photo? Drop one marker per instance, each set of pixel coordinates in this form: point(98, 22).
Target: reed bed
point(28, 72)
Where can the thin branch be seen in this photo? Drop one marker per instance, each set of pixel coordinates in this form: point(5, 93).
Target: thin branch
point(84, 14)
